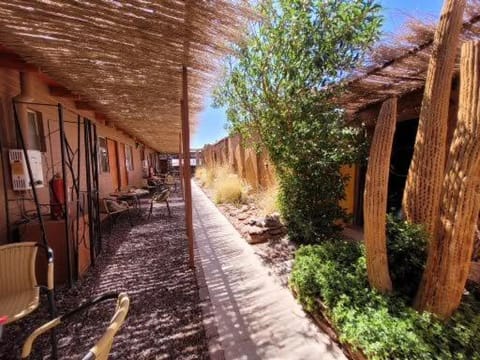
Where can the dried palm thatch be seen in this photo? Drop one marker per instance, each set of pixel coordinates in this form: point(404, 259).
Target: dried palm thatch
point(398, 65)
point(125, 57)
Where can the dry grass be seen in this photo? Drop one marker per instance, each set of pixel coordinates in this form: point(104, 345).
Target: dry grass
point(205, 176)
point(267, 200)
point(229, 188)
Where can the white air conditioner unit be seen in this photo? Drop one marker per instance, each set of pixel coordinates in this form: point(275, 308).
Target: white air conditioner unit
point(18, 166)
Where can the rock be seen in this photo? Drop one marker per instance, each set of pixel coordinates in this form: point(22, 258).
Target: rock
point(276, 231)
point(258, 235)
point(243, 209)
point(273, 221)
point(242, 216)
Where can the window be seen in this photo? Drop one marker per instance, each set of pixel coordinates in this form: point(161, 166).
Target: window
point(129, 157)
point(35, 135)
point(103, 155)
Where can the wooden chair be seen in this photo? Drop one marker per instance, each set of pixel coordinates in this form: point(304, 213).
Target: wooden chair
point(101, 349)
point(158, 198)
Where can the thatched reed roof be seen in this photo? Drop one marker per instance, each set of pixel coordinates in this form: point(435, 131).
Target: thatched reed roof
point(125, 57)
point(398, 65)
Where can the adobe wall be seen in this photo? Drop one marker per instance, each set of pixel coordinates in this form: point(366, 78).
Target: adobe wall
point(256, 168)
point(51, 159)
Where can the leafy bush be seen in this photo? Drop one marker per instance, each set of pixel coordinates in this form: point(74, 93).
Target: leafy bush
point(407, 254)
point(228, 188)
point(383, 327)
point(280, 86)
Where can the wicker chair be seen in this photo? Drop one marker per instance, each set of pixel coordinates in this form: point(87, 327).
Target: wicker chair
point(101, 349)
point(158, 198)
point(19, 291)
point(170, 182)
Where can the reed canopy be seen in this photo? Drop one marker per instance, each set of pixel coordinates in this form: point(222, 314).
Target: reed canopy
point(125, 57)
point(398, 65)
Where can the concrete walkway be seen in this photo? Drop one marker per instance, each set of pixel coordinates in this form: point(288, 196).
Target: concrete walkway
point(256, 317)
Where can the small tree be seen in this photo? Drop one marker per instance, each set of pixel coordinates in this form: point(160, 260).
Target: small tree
point(278, 86)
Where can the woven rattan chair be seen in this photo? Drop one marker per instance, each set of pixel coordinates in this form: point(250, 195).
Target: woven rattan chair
point(158, 198)
point(19, 291)
point(101, 349)
point(114, 209)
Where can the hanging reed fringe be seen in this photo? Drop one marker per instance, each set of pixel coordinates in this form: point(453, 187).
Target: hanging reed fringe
point(398, 65)
point(126, 57)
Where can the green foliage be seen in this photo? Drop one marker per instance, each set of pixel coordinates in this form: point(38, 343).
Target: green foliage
point(279, 86)
point(383, 327)
point(407, 254)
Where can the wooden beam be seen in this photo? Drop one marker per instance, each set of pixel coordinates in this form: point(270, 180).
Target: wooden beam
point(180, 155)
point(186, 166)
point(60, 91)
point(15, 62)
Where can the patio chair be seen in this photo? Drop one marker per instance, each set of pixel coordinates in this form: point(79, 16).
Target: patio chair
point(115, 209)
point(158, 198)
point(171, 182)
point(19, 290)
point(101, 349)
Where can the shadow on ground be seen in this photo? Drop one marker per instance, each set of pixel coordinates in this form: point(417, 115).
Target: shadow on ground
point(150, 263)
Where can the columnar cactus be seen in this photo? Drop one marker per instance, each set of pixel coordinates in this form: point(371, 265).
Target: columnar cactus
point(375, 197)
point(424, 183)
point(450, 252)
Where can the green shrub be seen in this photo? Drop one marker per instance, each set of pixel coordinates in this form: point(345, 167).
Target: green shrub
point(383, 327)
point(406, 246)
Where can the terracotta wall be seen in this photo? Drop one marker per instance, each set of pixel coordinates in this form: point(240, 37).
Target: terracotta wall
point(256, 168)
point(51, 159)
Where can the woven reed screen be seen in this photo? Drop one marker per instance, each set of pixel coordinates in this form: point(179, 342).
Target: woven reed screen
point(125, 57)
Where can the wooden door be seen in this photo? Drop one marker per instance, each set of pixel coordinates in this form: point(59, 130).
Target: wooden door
point(113, 162)
point(122, 166)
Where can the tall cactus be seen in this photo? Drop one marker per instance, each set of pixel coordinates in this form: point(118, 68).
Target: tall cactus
point(375, 197)
point(424, 182)
point(451, 250)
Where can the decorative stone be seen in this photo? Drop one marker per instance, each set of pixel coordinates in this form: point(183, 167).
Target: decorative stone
point(242, 216)
point(273, 221)
point(258, 235)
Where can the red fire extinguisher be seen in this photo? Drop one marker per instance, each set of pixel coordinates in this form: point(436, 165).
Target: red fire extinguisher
point(57, 197)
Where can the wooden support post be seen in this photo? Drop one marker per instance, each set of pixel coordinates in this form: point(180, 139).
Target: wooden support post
point(180, 155)
point(421, 198)
point(186, 165)
point(450, 252)
point(375, 197)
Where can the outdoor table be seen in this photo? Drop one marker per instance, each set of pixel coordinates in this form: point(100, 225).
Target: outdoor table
point(132, 197)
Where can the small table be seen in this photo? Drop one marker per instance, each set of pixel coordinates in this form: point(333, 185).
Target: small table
point(132, 198)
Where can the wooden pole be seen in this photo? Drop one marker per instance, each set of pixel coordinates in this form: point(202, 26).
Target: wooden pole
point(375, 197)
point(186, 166)
point(180, 155)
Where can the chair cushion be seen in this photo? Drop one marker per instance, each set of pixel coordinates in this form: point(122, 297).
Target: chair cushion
point(18, 305)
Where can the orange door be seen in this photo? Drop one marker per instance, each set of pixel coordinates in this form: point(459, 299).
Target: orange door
point(113, 162)
point(122, 166)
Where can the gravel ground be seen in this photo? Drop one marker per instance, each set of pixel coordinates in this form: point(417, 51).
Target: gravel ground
point(150, 263)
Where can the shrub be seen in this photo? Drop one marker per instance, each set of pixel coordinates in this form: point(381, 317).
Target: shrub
point(383, 327)
point(407, 254)
point(228, 188)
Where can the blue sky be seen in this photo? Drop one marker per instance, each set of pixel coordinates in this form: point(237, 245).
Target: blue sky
point(212, 121)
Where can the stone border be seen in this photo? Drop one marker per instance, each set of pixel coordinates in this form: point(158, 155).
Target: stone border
point(215, 349)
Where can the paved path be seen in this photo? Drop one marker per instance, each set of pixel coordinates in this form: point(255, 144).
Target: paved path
point(256, 317)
